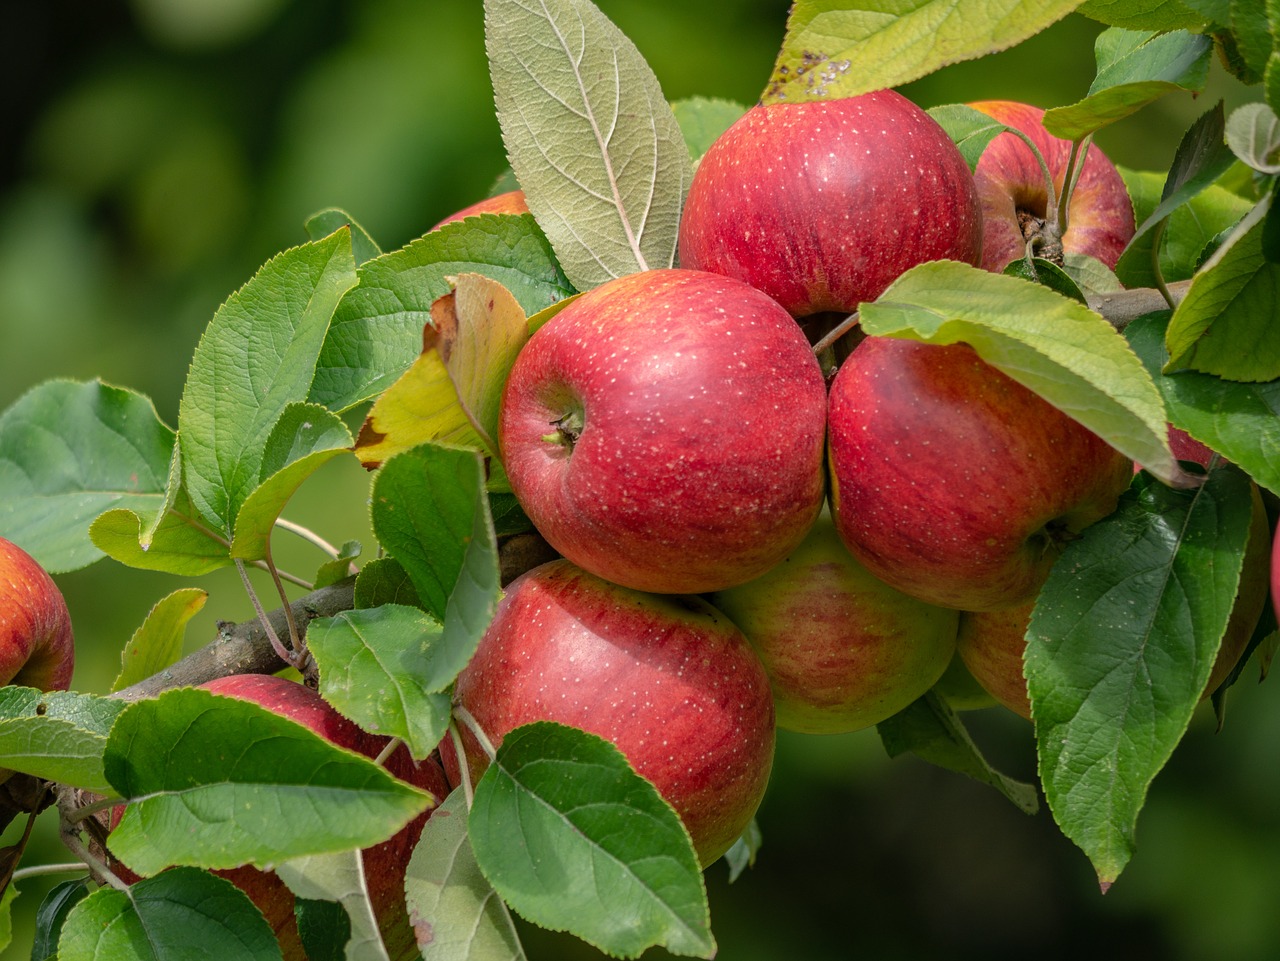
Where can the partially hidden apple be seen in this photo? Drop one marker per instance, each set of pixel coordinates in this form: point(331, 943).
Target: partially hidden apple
point(385, 863)
point(954, 483)
point(843, 650)
point(670, 681)
point(665, 431)
point(1015, 197)
point(508, 202)
point(823, 204)
point(992, 643)
point(37, 646)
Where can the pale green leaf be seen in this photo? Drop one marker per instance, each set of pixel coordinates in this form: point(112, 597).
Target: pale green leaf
point(839, 48)
point(339, 877)
point(1053, 346)
point(158, 642)
point(456, 912)
point(1253, 133)
point(703, 119)
point(592, 140)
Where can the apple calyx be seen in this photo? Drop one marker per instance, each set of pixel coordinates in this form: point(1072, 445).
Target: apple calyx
point(568, 428)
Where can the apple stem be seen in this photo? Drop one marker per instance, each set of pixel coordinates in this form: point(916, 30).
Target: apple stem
point(568, 428)
point(467, 718)
point(464, 770)
point(296, 642)
point(1075, 166)
point(836, 332)
point(390, 748)
point(279, 648)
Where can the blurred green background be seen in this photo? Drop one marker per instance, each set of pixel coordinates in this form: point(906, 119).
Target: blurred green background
point(161, 150)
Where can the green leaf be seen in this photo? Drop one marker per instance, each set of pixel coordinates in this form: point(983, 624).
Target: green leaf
point(376, 333)
point(456, 913)
point(158, 642)
point(1201, 158)
point(58, 736)
point(385, 581)
point(339, 877)
point(1247, 45)
point(52, 914)
point(1227, 323)
point(68, 452)
point(1240, 421)
point(1271, 76)
point(574, 840)
point(1158, 15)
point(1047, 274)
point(304, 439)
point(430, 512)
point(182, 914)
point(218, 782)
point(1053, 346)
point(742, 854)
point(376, 667)
point(592, 140)
point(1135, 68)
point(6, 915)
point(840, 48)
point(324, 928)
point(325, 222)
point(180, 543)
point(971, 129)
point(1191, 227)
point(338, 568)
point(1253, 133)
point(931, 730)
point(703, 119)
point(257, 356)
point(1120, 647)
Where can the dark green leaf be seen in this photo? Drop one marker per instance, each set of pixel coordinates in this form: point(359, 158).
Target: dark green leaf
point(218, 782)
point(593, 142)
point(929, 729)
point(1240, 421)
point(574, 840)
point(1047, 274)
point(376, 332)
point(51, 915)
point(1120, 647)
point(322, 224)
point(385, 581)
point(257, 356)
point(430, 512)
point(323, 928)
point(68, 452)
point(182, 914)
point(1143, 14)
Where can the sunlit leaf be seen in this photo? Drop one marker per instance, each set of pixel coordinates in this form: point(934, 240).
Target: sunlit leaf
point(839, 48)
point(592, 140)
point(158, 642)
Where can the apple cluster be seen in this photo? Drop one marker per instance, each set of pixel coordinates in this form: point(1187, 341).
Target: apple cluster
point(747, 543)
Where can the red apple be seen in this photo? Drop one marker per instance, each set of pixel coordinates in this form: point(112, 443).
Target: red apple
point(670, 681)
point(822, 205)
point(665, 431)
point(992, 643)
point(385, 863)
point(37, 648)
point(1011, 186)
point(952, 482)
point(511, 202)
point(843, 650)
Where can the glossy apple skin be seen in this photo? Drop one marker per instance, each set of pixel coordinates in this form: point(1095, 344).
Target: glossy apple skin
point(510, 202)
point(1009, 179)
point(952, 482)
point(843, 650)
point(702, 411)
point(37, 645)
point(822, 205)
point(385, 863)
point(992, 643)
point(669, 680)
